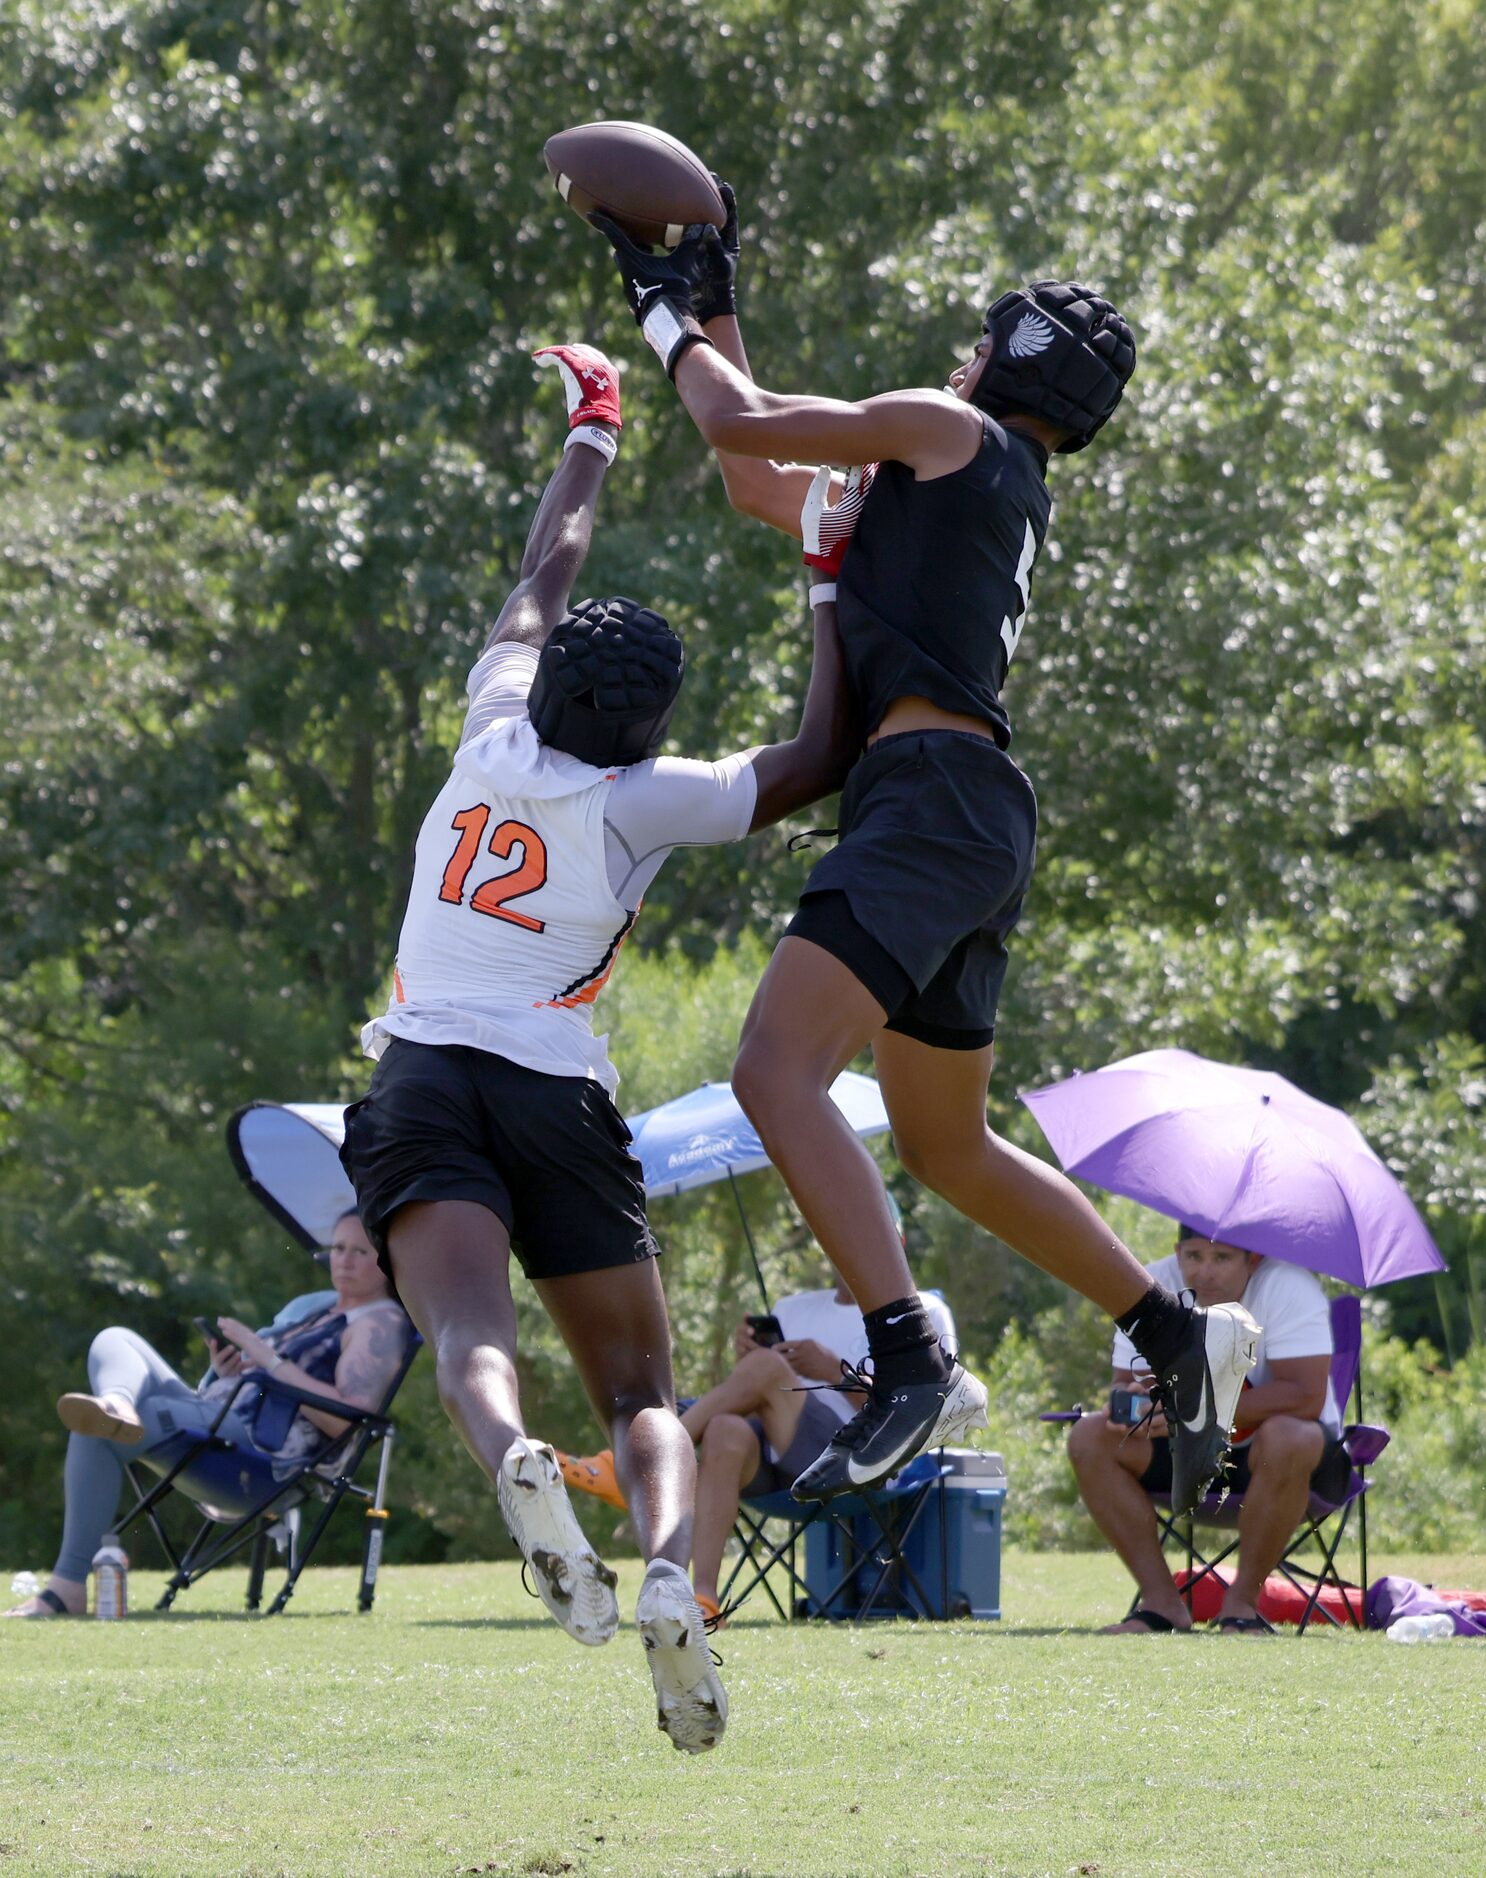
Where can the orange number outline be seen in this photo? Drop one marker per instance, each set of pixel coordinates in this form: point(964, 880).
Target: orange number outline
point(531, 874)
point(471, 825)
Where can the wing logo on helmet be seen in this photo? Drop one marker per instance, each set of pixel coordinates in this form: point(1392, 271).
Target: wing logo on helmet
point(1033, 334)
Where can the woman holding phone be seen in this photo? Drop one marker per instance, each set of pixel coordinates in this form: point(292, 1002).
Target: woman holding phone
point(349, 1350)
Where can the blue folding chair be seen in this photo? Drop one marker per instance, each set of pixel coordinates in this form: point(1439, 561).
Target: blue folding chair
point(857, 1563)
point(287, 1156)
point(248, 1497)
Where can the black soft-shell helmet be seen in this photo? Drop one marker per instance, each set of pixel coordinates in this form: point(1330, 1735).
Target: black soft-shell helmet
point(606, 683)
point(1062, 353)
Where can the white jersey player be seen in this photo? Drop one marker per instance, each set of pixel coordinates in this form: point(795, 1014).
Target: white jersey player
point(489, 1125)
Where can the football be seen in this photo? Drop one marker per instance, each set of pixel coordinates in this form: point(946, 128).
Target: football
point(647, 180)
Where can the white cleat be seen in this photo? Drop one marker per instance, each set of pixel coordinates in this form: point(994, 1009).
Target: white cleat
point(1232, 1351)
point(572, 1580)
point(1199, 1392)
point(691, 1703)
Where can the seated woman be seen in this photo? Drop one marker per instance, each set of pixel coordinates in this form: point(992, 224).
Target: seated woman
point(350, 1350)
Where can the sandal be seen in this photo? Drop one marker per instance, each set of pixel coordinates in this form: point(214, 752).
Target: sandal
point(55, 1607)
point(593, 1473)
point(1246, 1626)
point(713, 1615)
point(1152, 1624)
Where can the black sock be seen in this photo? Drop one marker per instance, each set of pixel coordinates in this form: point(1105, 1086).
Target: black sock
point(1157, 1325)
point(903, 1344)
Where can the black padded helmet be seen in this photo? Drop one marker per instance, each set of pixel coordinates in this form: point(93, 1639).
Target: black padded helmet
point(606, 682)
point(1062, 353)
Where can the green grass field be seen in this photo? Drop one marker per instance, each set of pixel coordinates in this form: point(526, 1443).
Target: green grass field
point(456, 1730)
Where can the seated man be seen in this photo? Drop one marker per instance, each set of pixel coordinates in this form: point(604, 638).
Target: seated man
point(1286, 1444)
point(759, 1426)
point(349, 1348)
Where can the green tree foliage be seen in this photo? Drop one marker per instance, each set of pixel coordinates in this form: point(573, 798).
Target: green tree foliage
point(269, 444)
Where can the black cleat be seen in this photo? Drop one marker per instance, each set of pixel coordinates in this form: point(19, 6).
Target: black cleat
point(891, 1426)
point(1198, 1392)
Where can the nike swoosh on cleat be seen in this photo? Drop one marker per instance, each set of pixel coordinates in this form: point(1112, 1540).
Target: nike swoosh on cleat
point(859, 1476)
point(1198, 1424)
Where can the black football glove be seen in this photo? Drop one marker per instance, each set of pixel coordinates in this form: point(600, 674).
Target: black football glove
point(709, 257)
point(658, 292)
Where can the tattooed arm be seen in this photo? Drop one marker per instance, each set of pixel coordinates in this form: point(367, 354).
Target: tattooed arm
point(371, 1350)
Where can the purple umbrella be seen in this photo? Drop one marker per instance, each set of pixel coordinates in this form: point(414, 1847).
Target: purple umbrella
point(1244, 1156)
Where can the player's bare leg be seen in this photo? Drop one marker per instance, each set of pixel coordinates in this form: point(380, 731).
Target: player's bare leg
point(936, 1102)
point(451, 1264)
point(809, 1017)
point(614, 1324)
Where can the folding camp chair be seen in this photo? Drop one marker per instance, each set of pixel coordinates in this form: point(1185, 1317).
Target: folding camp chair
point(858, 1561)
point(1363, 1444)
point(287, 1155)
point(250, 1498)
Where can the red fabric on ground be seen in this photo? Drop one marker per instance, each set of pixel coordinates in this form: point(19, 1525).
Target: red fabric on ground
point(1279, 1601)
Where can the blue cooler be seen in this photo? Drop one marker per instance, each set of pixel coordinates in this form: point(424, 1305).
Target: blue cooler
point(952, 1548)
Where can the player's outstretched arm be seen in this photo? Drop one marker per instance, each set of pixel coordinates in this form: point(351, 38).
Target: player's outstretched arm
point(557, 544)
point(815, 761)
point(770, 492)
point(933, 432)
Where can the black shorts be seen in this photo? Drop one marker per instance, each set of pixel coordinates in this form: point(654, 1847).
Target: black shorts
point(1328, 1480)
point(919, 896)
point(549, 1155)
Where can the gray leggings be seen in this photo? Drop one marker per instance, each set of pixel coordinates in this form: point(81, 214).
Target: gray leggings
point(120, 1363)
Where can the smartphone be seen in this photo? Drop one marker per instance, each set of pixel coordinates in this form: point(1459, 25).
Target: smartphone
point(766, 1331)
point(207, 1329)
point(1127, 1407)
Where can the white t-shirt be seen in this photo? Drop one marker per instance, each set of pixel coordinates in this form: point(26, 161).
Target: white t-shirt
point(1287, 1303)
point(839, 1328)
point(556, 856)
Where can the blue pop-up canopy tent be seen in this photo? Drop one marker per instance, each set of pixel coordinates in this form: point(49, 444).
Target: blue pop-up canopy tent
point(288, 1153)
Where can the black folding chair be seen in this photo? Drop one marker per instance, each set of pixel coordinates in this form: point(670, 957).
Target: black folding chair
point(858, 1547)
point(249, 1498)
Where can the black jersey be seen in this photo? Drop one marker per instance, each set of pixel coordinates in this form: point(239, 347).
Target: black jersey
point(934, 584)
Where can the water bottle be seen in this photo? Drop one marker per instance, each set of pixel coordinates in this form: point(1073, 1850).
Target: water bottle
point(110, 1578)
point(1432, 1629)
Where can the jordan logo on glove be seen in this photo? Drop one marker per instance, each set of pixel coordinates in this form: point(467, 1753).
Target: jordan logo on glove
point(589, 382)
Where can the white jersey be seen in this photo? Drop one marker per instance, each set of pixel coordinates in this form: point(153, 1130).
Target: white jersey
point(528, 876)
